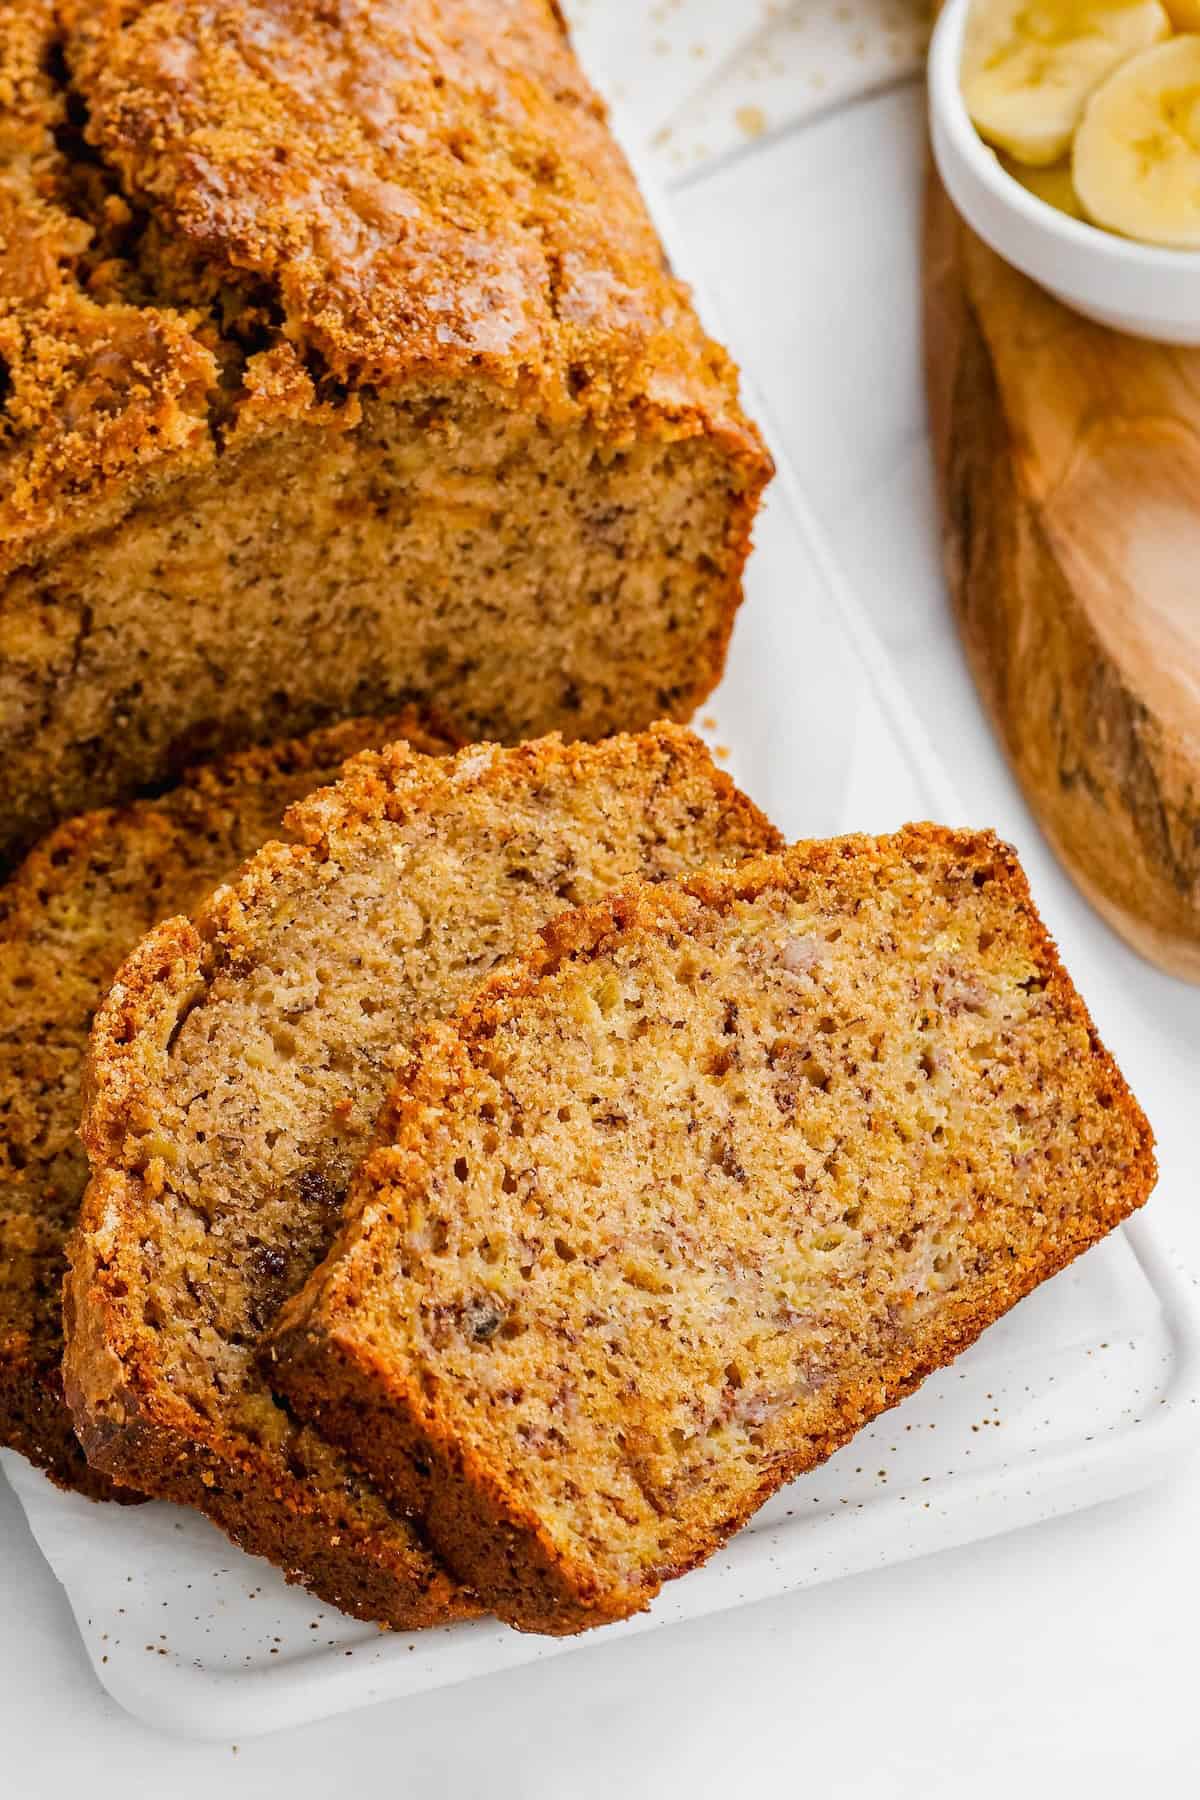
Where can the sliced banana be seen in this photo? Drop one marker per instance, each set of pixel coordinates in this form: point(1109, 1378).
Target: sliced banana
point(1136, 165)
point(1185, 14)
point(1029, 65)
point(1053, 184)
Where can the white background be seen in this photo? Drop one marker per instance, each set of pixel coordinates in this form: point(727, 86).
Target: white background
point(1060, 1660)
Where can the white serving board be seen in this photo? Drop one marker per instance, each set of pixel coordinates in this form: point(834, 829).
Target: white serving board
point(1090, 1388)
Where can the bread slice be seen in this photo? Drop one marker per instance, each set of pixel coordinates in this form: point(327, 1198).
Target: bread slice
point(68, 917)
point(237, 1069)
point(340, 364)
point(681, 1200)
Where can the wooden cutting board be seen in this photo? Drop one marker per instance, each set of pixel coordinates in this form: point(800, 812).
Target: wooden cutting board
point(1068, 462)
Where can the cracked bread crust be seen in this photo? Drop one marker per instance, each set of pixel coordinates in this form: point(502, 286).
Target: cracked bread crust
point(462, 209)
point(461, 206)
point(236, 1069)
point(100, 393)
point(587, 1373)
point(346, 324)
point(68, 917)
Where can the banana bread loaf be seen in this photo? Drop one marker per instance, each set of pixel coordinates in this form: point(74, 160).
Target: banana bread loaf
point(68, 917)
point(339, 364)
point(237, 1068)
point(690, 1193)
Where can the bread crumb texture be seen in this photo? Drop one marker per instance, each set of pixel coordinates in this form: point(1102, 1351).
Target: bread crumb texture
point(681, 1201)
point(68, 917)
point(237, 1068)
point(339, 363)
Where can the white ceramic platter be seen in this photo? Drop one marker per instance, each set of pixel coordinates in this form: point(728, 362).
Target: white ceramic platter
point(1090, 1388)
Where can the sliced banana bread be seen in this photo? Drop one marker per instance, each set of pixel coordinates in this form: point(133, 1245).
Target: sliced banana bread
point(68, 917)
point(340, 364)
point(237, 1068)
point(694, 1190)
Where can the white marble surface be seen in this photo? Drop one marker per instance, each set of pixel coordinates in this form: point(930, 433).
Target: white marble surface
point(1057, 1661)
point(703, 78)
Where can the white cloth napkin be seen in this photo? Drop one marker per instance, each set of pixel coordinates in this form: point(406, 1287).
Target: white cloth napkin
point(702, 78)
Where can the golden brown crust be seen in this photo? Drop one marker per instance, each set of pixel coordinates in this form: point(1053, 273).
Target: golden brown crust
point(196, 245)
point(337, 1537)
point(67, 917)
point(378, 784)
point(409, 1427)
point(461, 207)
point(346, 1546)
point(92, 392)
point(340, 366)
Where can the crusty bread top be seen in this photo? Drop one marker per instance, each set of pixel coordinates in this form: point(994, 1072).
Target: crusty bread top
point(217, 214)
point(685, 1194)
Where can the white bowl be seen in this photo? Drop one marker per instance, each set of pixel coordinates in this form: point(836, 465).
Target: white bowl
point(1152, 293)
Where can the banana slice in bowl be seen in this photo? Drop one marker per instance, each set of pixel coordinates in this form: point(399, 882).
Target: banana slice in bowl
point(1136, 162)
point(1029, 66)
point(1053, 184)
point(1147, 289)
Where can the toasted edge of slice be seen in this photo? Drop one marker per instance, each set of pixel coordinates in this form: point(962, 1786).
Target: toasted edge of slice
point(332, 1352)
point(128, 1414)
point(231, 798)
point(361, 1556)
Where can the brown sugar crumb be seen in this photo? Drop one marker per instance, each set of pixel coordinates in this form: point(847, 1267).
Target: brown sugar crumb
point(249, 1051)
point(862, 1111)
point(68, 916)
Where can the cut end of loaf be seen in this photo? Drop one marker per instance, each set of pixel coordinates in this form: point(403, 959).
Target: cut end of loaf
point(681, 1201)
point(453, 549)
